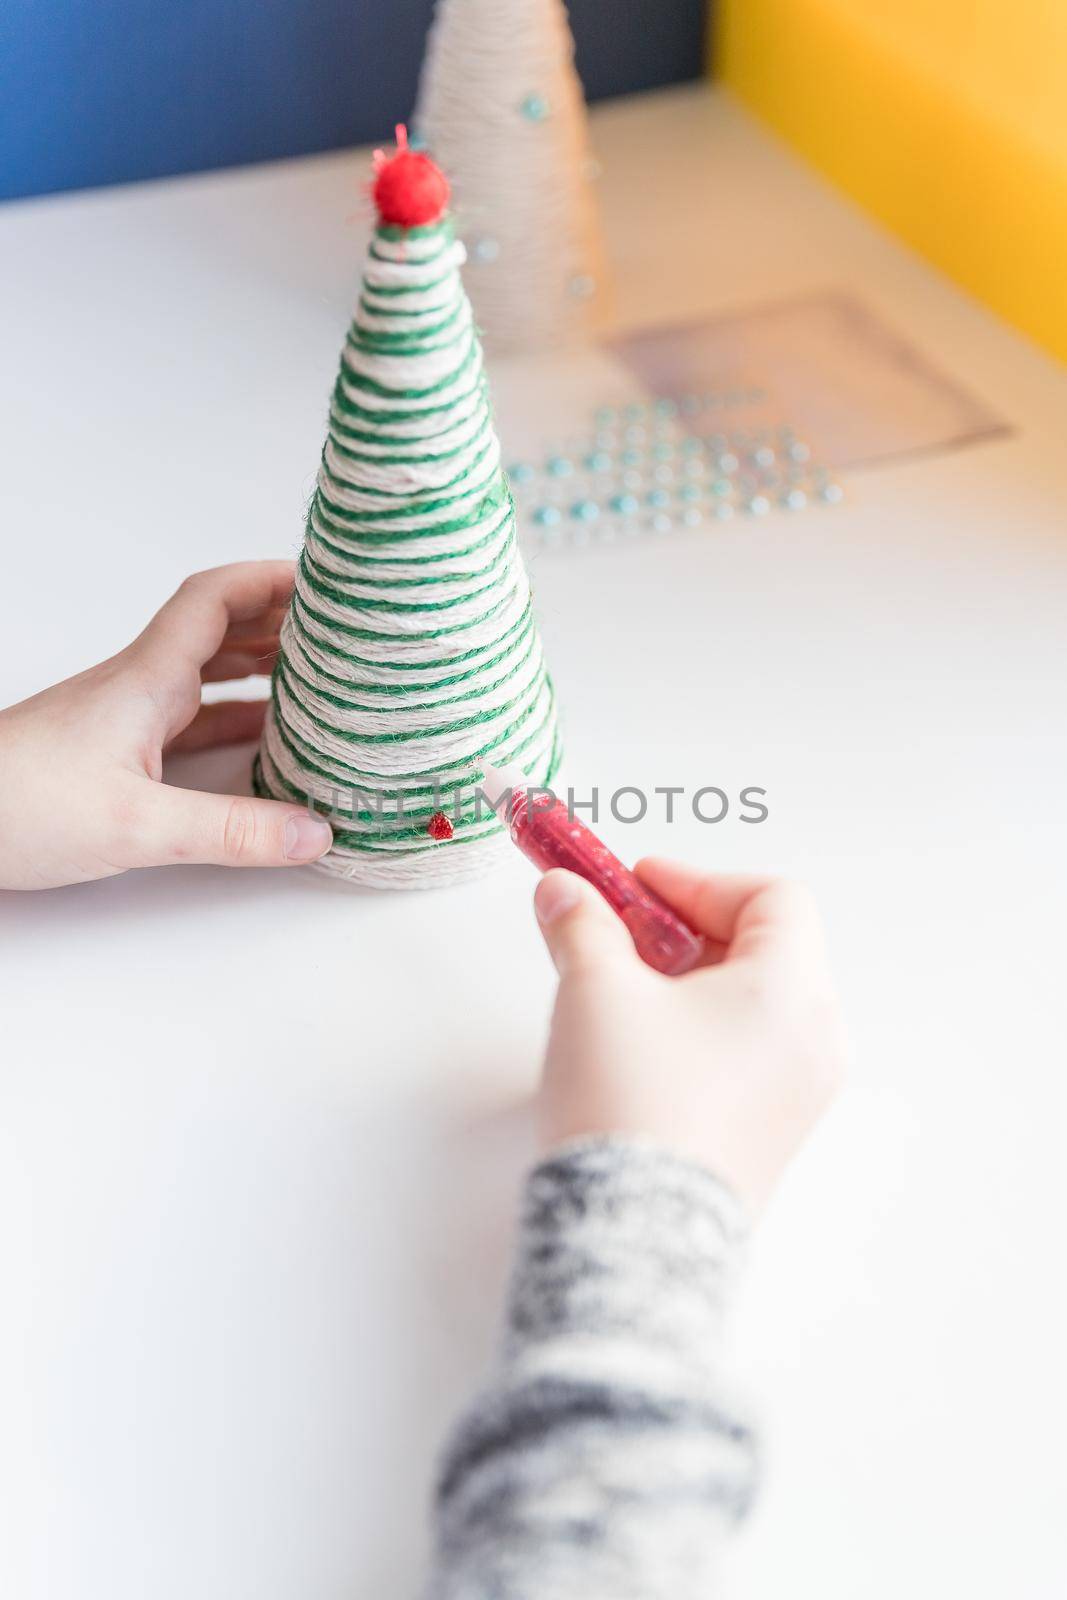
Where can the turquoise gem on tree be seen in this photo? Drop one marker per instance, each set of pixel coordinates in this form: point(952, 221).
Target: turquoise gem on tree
point(535, 108)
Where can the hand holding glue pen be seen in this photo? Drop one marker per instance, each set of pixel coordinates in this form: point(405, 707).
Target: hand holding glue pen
point(550, 836)
point(729, 1066)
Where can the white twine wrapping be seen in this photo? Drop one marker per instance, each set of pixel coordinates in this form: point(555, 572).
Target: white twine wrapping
point(410, 651)
point(521, 180)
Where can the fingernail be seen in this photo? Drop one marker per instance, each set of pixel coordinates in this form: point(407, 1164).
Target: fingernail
point(554, 897)
point(306, 837)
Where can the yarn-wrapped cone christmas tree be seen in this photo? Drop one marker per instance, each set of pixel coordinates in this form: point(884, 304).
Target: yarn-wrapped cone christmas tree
point(501, 106)
point(410, 653)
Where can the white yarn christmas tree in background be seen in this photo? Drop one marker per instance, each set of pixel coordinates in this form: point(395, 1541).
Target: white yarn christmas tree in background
point(410, 652)
point(501, 107)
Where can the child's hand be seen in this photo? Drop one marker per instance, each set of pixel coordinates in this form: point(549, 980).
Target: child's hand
point(80, 764)
point(729, 1065)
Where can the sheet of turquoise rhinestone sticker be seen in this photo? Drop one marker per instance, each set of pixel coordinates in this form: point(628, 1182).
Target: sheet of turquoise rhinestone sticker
point(665, 467)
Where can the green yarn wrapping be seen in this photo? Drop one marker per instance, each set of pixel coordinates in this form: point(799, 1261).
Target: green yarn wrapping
point(410, 655)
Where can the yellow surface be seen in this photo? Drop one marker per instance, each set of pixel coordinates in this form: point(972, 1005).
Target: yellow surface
point(946, 118)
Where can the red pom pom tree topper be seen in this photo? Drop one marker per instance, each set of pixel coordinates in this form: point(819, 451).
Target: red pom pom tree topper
point(409, 189)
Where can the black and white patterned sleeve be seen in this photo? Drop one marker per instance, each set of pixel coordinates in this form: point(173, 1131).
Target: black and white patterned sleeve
point(605, 1460)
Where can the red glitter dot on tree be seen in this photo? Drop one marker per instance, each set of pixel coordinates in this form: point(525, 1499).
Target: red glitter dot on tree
point(439, 826)
point(409, 189)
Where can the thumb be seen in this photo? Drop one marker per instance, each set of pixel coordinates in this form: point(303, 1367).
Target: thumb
point(581, 931)
point(230, 830)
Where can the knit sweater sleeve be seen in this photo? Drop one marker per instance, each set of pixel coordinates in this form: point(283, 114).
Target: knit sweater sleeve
point(605, 1459)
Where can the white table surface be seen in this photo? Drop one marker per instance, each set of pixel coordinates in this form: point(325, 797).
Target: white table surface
point(259, 1134)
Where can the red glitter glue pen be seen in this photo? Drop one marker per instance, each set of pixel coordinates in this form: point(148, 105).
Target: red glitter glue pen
point(547, 834)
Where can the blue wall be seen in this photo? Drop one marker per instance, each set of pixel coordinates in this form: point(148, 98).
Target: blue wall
point(105, 91)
